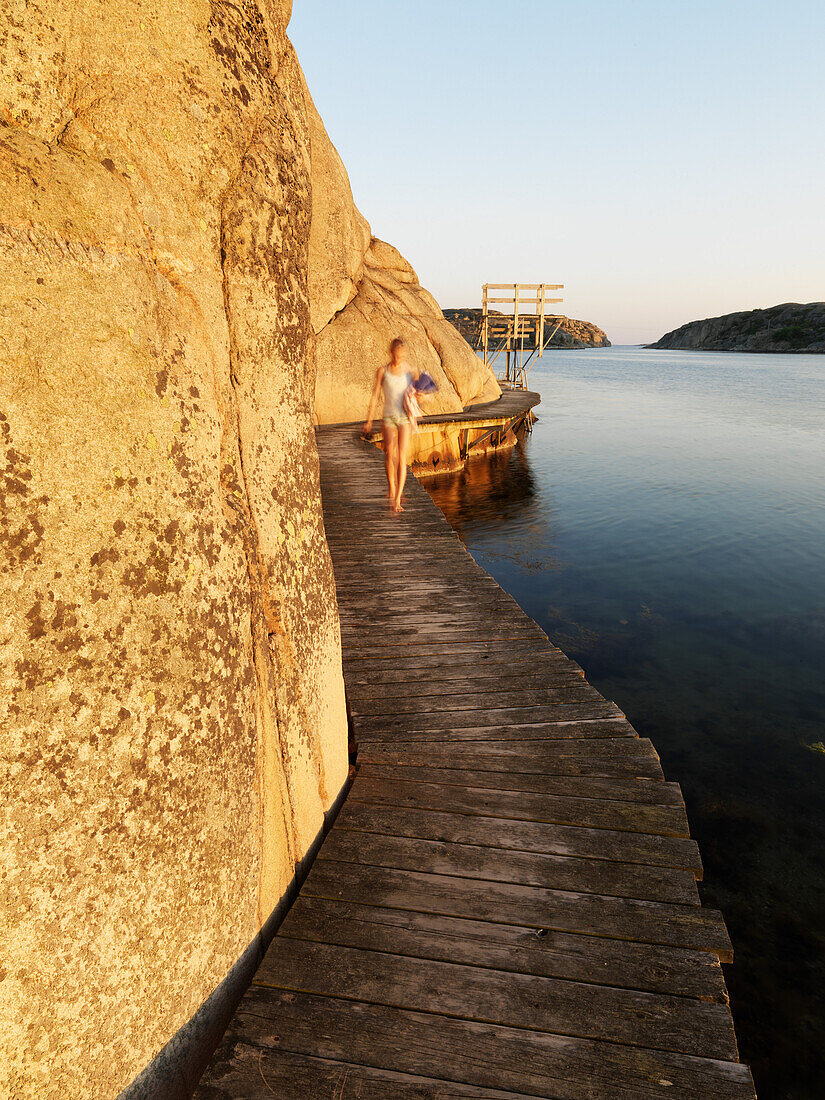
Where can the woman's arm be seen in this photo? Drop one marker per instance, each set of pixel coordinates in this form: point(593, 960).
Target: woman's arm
point(376, 390)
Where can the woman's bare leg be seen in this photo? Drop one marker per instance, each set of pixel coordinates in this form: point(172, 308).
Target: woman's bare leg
point(391, 460)
point(404, 432)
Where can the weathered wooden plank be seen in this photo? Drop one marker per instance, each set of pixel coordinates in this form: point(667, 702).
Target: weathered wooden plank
point(485, 1055)
point(452, 661)
point(637, 817)
point(557, 752)
point(417, 612)
point(466, 629)
point(440, 718)
point(565, 910)
point(580, 958)
point(525, 836)
point(588, 786)
point(530, 758)
point(597, 876)
point(400, 681)
point(476, 692)
point(442, 589)
point(376, 703)
point(524, 651)
point(369, 731)
point(373, 607)
point(493, 996)
point(473, 653)
point(244, 1070)
point(419, 583)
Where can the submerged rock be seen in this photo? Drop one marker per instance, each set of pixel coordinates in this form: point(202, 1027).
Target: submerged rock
point(786, 328)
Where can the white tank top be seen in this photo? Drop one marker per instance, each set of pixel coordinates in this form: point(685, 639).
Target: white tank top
point(395, 386)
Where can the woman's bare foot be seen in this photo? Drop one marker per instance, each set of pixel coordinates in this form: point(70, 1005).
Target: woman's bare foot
point(396, 506)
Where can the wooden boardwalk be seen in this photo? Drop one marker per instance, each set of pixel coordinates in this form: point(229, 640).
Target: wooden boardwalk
point(506, 905)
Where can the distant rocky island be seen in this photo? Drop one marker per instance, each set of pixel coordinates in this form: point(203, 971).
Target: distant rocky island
point(787, 328)
point(570, 333)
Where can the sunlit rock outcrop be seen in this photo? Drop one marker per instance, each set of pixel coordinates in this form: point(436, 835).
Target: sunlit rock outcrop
point(171, 698)
point(560, 332)
point(362, 294)
point(792, 327)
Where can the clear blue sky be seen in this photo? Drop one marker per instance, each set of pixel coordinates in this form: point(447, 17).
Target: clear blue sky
point(663, 159)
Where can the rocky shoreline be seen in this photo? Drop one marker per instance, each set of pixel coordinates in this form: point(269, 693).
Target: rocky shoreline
point(791, 327)
point(570, 333)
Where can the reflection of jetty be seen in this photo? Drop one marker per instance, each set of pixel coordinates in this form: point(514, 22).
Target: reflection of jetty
point(506, 904)
point(446, 440)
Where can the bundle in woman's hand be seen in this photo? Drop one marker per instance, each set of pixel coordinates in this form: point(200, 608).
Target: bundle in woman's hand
point(424, 383)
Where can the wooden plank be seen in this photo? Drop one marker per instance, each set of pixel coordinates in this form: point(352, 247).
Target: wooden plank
point(449, 661)
point(492, 996)
point(470, 651)
point(565, 725)
point(525, 836)
point(598, 876)
point(521, 757)
point(524, 806)
point(565, 910)
point(259, 1072)
point(378, 703)
point(485, 1055)
point(512, 753)
point(398, 682)
point(373, 606)
point(458, 625)
point(588, 786)
point(437, 717)
point(581, 958)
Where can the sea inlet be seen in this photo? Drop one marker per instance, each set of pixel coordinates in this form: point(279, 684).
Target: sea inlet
point(665, 524)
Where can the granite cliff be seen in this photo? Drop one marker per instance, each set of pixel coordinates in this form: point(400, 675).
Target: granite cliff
point(570, 333)
point(785, 328)
point(362, 294)
point(181, 258)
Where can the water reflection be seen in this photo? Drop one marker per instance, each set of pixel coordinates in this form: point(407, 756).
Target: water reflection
point(664, 524)
point(498, 488)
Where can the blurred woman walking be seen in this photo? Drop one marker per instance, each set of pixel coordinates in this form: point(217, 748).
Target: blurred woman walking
point(396, 380)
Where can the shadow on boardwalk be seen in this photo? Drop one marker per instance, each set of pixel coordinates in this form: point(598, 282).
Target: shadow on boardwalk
point(506, 905)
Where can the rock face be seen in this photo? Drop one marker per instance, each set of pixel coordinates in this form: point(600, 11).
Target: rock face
point(363, 293)
point(171, 703)
point(785, 328)
point(569, 334)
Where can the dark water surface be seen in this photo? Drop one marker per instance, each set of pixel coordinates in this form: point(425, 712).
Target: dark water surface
point(665, 524)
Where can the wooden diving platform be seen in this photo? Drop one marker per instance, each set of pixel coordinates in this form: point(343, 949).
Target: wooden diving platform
point(506, 906)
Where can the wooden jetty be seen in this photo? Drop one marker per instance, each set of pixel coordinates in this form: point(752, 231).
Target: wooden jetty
point(506, 905)
point(444, 441)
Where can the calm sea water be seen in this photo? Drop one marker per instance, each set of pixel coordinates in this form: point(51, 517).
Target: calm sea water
point(665, 524)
